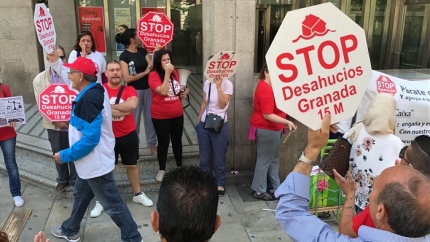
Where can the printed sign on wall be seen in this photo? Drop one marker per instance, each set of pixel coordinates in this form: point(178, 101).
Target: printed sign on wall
point(91, 19)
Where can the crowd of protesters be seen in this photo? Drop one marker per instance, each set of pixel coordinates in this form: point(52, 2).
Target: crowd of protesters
point(389, 202)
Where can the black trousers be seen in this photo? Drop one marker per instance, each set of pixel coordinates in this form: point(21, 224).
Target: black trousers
point(169, 130)
point(59, 141)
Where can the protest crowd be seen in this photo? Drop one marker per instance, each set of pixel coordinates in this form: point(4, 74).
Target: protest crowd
point(386, 188)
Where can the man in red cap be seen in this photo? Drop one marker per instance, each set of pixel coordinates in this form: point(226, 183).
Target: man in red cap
point(92, 149)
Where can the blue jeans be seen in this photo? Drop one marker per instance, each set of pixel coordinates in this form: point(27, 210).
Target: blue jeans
point(8, 149)
point(213, 144)
point(106, 191)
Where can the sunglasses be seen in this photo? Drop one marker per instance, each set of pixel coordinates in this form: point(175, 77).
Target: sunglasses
point(402, 155)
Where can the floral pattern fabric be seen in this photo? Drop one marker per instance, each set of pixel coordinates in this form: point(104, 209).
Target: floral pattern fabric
point(370, 155)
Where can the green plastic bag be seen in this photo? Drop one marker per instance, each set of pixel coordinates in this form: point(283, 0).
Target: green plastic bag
point(324, 189)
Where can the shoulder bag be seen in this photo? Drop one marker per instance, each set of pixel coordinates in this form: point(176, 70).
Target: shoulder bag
point(338, 156)
point(213, 122)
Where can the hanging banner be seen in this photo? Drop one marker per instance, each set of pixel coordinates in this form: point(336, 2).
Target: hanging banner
point(412, 108)
point(91, 19)
point(12, 110)
point(121, 17)
point(145, 11)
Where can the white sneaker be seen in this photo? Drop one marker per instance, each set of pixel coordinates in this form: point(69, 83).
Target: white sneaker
point(160, 176)
point(97, 210)
point(143, 199)
point(19, 202)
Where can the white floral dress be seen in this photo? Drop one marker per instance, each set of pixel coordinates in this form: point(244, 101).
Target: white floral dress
point(370, 155)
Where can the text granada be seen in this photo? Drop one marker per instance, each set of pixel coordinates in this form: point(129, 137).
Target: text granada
point(306, 104)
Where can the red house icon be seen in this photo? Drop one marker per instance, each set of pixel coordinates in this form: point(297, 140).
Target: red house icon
point(41, 12)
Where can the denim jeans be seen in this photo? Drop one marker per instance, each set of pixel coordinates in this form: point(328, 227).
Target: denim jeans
point(213, 144)
point(8, 149)
point(106, 191)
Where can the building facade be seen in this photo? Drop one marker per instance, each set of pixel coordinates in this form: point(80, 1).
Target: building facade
point(397, 31)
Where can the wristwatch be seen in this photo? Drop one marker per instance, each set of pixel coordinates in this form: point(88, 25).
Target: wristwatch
point(304, 159)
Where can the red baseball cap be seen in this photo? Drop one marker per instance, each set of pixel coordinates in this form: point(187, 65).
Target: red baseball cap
point(84, 65)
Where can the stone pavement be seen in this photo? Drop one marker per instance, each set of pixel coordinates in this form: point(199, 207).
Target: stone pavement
point(241, 221)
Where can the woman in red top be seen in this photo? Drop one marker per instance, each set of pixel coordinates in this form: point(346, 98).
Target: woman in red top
point(7, 144)
point(267, 124)
point(166, 108)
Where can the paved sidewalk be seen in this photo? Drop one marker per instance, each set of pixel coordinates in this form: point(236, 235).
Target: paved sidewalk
point(241, 221)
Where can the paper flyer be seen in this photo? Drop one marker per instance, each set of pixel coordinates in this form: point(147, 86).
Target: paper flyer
point(121, 17)
point(12, 110)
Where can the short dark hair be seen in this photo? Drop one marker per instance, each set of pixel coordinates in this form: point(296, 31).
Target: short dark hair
point(124, 38)
point(263, 69)
point(82, 34)
point(3, 236)
point(407, 216)
point(187, 205)
point(112, 62)
point(419, 154)
point(89, 78)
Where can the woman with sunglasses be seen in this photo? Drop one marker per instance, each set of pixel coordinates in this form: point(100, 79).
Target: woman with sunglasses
point(86, 47)
point(374, 146)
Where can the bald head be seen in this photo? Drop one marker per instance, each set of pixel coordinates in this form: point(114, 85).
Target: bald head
point(402, 193)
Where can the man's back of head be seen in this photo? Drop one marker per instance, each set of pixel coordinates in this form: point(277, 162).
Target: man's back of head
point(187, 206)
point(405, 201)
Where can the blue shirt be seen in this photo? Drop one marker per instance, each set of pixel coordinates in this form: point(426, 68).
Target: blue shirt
point(294, 217)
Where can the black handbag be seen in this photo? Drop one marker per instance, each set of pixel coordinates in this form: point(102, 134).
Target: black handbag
point(213, 122)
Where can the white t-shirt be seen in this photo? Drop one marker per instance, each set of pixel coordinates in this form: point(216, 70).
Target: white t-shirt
point(212, 105)
point(370, 155)
point(96, 57)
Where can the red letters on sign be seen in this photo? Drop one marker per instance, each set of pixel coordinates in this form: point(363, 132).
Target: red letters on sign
point(345, 48)
point(44, 24)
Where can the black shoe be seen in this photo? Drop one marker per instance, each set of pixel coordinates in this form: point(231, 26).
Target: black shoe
point(61, 187)
point(221, 193)
point(264, 196)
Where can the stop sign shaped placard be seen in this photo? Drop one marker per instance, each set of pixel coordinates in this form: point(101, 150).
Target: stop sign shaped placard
point(223, 63)
point(45, 29)
point(319, 64)
point(155, 28)
point(385, 85)
point(55, 102)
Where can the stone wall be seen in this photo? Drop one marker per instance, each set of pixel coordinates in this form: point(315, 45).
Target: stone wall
point(20, 51)
point(64, 14)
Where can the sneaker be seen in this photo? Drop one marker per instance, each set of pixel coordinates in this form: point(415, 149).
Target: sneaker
point(97, 210)
point(61, 187)
point(160, 175)
point(56, 231)
point(143, 199)
point(264, 196)
point(19, 202)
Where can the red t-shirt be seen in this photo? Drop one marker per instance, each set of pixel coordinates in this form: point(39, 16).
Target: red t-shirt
point(165, 107)
point(6, 132)
point(362, 218)
point(123, 125)
point(264, 103)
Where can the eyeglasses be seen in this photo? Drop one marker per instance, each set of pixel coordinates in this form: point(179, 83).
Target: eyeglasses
point(402, 155)
point(71, 72)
